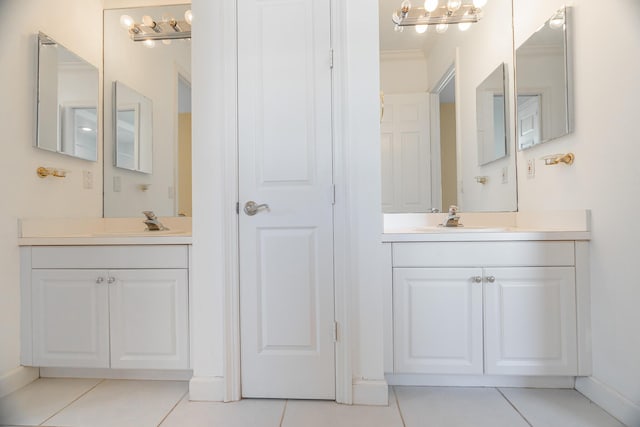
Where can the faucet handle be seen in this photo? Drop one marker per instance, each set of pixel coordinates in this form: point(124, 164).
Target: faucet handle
point(149, 214)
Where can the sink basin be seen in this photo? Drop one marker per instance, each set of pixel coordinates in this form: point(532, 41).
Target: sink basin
point(142, 233)
point(463, 229)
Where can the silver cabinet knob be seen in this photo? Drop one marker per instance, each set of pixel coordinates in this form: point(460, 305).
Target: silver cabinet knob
point(477, 279)
point(491, 279)
point(111, 280)
point(251, 208)
point(99, 280)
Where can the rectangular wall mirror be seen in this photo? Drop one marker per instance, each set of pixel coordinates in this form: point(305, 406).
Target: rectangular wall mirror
point(430, 75)
point(133, 129)
point(147, 112)
point(491, 117)
point(543, 83)
point(67, 116)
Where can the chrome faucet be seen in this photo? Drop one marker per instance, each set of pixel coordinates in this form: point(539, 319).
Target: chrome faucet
point(153, 224)
point(452, 220)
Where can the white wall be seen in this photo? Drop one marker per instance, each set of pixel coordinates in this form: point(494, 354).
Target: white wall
point(77, 24)
point(605, 179)
point(403, 71)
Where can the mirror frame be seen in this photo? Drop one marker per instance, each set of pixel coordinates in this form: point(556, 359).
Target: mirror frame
point(538, 116)
point(65, 110)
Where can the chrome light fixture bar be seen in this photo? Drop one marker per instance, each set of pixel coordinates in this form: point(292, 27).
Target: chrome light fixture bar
point(438, 13)
point(149, 29)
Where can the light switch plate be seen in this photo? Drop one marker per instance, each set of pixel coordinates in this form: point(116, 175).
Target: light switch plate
point(87, 180)
point(117, 184)
point(531, 168)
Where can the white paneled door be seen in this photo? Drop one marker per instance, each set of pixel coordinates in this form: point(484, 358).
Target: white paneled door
point(406, 156)
point(285, 167)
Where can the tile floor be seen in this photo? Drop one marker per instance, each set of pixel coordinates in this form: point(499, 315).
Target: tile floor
point(122, 403)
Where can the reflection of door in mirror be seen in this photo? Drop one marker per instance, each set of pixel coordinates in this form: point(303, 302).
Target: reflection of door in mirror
point(528, 121)
point(184, 147)
point(447, 133)
point(159, 73)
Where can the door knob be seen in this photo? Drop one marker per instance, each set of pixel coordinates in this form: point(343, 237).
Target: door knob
point(251, 208)
point(491, 279)
point(111, 280)
point(477, 279)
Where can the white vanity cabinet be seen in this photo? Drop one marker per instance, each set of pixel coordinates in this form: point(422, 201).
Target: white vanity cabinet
point(105, 306)
point(492, 308)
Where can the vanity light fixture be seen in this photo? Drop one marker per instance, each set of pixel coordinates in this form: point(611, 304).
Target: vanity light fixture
point(150, 30)
point(440, 13)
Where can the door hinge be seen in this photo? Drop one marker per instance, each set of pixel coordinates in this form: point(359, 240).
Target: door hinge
point(331, 58)
point(237, 208)
point(335, 331)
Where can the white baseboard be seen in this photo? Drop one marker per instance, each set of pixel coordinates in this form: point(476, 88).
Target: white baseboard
point(17, 378)
point(480, 381)
point(207, 389)
point(119, 374)
point(610, 400)
point(370, 392)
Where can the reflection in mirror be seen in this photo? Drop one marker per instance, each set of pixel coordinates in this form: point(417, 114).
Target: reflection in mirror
point(429, 145)
point(543, 83)
point(67, 119)
point(491, 117)
point(150, 121)
point(134, 129)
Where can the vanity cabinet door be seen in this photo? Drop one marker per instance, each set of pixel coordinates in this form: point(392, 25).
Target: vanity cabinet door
point(530, 321)
point(437, 320)
point(149, 319)
point(70, 318)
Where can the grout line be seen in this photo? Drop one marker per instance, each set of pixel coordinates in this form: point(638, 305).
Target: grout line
point(395, 395)
point(284, 409)
point(173, 407)
point(73, 401)
point(514, 407)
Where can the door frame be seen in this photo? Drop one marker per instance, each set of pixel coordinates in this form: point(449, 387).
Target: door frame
point(225, 255)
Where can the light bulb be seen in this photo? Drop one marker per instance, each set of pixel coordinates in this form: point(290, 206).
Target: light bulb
point(166, 42)
point(188, 16)
point(464, 26)
point(398, 29)
point(479, 4)
point(149, 43)
point(126, 21)
point(405, 6)
point(441, 28)
point(557, 21)
point(421, 29)
point(454, 5)
point(148, 21)
point(430, 5)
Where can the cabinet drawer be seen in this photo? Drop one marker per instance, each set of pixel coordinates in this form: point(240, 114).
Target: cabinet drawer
point(483, 254)
point(105, 257)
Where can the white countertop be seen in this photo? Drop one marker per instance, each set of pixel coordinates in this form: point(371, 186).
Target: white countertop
point(480, 227)
point(102, 231)
point(412, 235)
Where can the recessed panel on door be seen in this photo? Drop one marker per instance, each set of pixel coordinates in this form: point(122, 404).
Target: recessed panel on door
point(287, 289)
